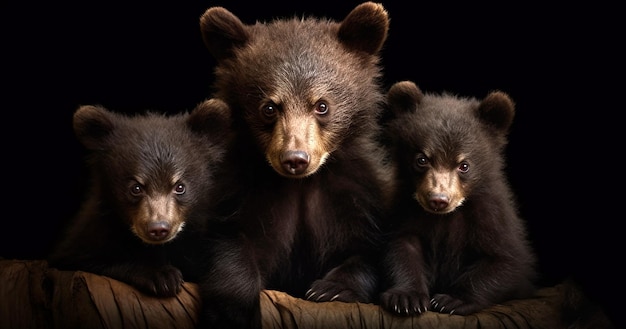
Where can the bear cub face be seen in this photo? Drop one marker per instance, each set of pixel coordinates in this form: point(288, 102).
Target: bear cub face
point(154, 182)
point(155, 172)
point(299, 87)
point(447, 145)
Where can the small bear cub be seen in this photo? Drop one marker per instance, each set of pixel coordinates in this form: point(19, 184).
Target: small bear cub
point(457, 243)
point(154, 180)
point(305, 95)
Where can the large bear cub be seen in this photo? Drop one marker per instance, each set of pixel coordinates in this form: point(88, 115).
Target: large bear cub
point(458, 244)
point(306, 96)
point(154, 181)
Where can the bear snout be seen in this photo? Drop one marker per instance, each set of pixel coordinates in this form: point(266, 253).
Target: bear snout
point(295, 162)
point(438, 201)
point(159, 230)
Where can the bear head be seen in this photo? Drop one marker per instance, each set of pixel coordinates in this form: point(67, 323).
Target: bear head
point(154, 172)
point(450, 147)
point(299, 88)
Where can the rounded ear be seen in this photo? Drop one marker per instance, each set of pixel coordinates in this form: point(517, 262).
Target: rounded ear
point(404, 96)
point(92, 124)
point(222, 32)
point(365, 28)
point(211, 118)
point(497, 111)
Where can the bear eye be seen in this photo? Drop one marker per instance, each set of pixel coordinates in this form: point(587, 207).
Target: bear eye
point(321, 108)
point(136, 189)
point(180, 188)
point(464, 167)
point(269, 110)
point(421, 160)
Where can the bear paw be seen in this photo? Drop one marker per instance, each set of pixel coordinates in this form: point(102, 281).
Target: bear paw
point(166, 281)
point(403, 302)
point(443, 303)
point(328, 291)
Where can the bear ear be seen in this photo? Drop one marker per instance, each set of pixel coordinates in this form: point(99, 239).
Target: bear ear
point(497, 111)
point(212, 118)
point(92, 124)
point(365, 28)
point(404, 96)
point(222, 32)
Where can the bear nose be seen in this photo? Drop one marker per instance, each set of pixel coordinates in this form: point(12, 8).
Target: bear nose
point(295, 162)
point(438, 201)
point(159, 230)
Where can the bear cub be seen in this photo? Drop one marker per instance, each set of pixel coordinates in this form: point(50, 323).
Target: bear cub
point(457, 242)
point(306, 96)
point(154, 181)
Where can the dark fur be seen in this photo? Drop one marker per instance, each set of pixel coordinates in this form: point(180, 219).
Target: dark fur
point(445, 256)
point(150, 173)
point(314, 183)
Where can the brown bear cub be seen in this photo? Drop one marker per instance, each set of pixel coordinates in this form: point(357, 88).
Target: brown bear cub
point(154, 181)
point(305, 96)
point(458, 244)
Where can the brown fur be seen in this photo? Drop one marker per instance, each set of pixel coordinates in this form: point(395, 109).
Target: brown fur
point(457, 244)
point(306, 96)
point(155, 180)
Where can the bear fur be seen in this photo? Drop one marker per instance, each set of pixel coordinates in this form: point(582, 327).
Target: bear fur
point(306, 97)
point(154, 180)
point(457, 242)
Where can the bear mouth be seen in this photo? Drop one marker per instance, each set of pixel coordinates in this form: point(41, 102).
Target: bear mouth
point(157, 232)
point(437, 205)
point(296, 164)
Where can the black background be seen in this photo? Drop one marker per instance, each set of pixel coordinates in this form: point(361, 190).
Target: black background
point(559, 63)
